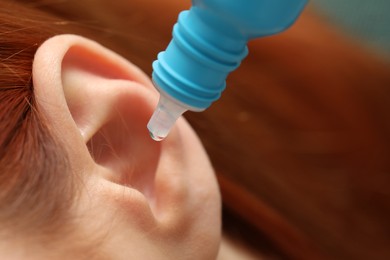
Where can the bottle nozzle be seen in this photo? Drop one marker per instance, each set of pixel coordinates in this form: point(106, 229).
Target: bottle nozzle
point(164, 117)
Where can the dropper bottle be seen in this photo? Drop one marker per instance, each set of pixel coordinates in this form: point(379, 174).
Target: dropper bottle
point(210, 41)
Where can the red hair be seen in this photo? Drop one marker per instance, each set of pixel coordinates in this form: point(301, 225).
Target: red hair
point(35, 181)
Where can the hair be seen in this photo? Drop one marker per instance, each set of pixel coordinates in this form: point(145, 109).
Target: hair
point(36, 184)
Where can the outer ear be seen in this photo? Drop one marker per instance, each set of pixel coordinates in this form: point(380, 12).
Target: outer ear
point(98, 104)
point(64, 58)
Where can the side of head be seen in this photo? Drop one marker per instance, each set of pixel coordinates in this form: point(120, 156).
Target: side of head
point(79, 173)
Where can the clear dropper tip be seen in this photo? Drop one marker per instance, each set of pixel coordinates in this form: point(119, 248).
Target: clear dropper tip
point(156, 137)
point(164, 118)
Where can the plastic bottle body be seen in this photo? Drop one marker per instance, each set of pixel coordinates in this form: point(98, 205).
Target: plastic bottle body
point(250, 18)
point(210, 41)
point(193, 69)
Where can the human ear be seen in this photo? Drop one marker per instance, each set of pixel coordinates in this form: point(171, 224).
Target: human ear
point(98, 105)
point(159, 194)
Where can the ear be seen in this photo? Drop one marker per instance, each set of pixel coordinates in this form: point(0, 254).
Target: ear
point(98, 105)
point(155, 194)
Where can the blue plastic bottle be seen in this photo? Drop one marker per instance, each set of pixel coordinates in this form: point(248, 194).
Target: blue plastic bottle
point(209, 41)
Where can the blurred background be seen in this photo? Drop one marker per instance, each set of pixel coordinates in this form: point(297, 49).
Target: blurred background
point(300, 139)
point(307, 124)
point(366, 20)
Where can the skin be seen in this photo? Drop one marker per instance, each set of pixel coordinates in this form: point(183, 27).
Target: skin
point(138, 199)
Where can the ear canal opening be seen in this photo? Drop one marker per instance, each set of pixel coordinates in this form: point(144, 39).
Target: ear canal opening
point(130, 162)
